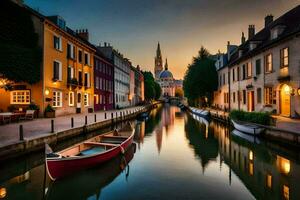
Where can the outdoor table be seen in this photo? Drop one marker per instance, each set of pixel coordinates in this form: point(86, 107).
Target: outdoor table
point(5, 117)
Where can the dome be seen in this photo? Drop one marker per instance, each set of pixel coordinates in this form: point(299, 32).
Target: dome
point(166, 74)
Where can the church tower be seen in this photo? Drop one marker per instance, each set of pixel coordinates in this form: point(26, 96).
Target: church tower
point(158, 62)
point(166, 65)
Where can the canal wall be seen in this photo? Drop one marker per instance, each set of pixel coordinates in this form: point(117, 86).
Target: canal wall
point(271, 133)
point(36, 144)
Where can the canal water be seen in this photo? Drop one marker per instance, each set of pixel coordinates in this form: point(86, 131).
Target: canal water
point(176, 156)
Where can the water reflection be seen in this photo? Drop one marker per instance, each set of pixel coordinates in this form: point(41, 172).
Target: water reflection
point(177, 154)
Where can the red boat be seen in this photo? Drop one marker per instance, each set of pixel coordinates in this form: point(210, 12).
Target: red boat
point(89, 153)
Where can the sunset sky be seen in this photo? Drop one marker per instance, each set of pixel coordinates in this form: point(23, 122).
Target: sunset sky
point(135, 26)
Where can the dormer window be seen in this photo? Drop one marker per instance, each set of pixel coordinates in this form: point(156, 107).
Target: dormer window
point(277, 31)
point(253, 44)
point(240, 53)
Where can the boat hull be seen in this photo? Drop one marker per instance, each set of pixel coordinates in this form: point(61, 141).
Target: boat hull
point(250, 129)
point(58, 168)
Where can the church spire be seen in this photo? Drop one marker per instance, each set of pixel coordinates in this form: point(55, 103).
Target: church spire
point(166, 64)
point(158, 62)
point(158, 51)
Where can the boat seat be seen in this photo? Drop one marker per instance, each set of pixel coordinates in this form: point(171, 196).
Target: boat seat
point(91, 151)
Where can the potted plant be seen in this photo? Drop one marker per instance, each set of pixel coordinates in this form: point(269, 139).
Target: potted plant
point(49, 111)
point(36, 108)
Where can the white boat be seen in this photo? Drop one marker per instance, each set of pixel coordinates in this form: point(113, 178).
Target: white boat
point(247, 127)
point(247, 137)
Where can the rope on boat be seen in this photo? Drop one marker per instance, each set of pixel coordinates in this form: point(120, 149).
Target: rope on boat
point(122, 150)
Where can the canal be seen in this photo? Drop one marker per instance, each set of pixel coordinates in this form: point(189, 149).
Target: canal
point(176, 156)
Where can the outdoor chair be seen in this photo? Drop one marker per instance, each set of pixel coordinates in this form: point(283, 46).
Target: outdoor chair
point(28, 115)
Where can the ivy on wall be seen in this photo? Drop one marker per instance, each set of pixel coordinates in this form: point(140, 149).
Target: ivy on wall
point(20, 55)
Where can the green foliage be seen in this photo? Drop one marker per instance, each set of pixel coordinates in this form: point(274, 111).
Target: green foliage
point(21, 57)
point(152, 88)
point(263, 118)
point(201, 79)
point(33, 106)
point(49, 108)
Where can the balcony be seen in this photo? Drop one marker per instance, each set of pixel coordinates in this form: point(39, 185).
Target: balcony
point(72, 83)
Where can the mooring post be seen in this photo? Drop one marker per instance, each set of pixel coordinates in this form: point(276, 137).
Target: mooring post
point(95, 117)
point(21, 132)
point(105, 115)
point(52, 126)
point(85, 120)
point(72, 122)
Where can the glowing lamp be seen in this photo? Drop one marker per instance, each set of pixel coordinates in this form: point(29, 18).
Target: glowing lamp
point(47, 92)
point(298, 91)
point(287, 89)
point(250, 155)
point(2, 193)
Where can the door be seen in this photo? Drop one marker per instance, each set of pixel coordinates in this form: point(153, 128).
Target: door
point(251, 101)
point(285, 101)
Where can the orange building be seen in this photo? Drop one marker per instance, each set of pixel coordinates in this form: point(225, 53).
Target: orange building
point(67, 72)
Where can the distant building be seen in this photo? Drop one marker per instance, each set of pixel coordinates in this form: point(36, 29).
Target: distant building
point(121, 75)
point(165, 77)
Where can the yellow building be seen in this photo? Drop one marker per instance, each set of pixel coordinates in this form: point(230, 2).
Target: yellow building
point(67, 74)
point(68, 68)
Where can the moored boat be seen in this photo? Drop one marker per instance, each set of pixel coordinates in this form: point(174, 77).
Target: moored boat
point(247, 137)
point(247, 127)
point(89, 153)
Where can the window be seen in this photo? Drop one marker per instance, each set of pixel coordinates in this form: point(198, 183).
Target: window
point(57, 43)
point(70, 73)
point(238, 73)
point(57, 71)
point(284, 57)
point(269, 181)
point(244, 97)
point(233, 74)
point(57, 99)
point(20, 97)
point(80, 78)
point(71, 98)
point(86, 58)
point(86, 99)
point(233, 97)
point(223, 79)
point(87, 82)
point(268, 63)
point(249, 69)
point(96, 99)
point(97, 83)
point(70, 51)
point(258, 95)
point(244, 72)
point(258, 66)
point(268, 95)
point(220, 81)
point(80, 55)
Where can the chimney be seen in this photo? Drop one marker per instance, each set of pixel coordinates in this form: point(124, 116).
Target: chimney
point(268, 20)
point(243, 39)
point(84, 34)
point(228, 50)
point(105, 44)
point(251, 31)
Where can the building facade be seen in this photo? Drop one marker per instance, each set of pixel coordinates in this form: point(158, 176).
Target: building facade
point(66, 70)
point(121, 75)
point(263, 72)
point(104, 83)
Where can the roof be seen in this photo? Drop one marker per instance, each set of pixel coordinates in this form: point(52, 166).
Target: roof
point(291, 23)
point(166, 74)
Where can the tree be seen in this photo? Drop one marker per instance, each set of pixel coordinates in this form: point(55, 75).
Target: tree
point(152, 88)
point(201, 79)
point(21, 56)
